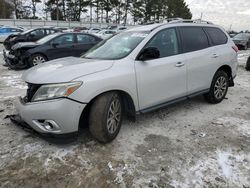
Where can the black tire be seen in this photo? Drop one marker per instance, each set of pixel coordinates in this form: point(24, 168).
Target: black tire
point(100, 113)
point(33, 57)
point(215, 96)
point(248, 64)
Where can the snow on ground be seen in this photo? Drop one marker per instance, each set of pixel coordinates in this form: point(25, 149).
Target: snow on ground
point(189, 144)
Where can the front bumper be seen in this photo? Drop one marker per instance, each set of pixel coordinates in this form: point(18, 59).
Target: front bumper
point(63, 115)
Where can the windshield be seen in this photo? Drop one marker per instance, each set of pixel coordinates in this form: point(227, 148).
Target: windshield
point(116, 47)
point(47, 38)
point(241, 36)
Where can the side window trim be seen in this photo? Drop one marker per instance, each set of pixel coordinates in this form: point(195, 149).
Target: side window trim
point(177, 37)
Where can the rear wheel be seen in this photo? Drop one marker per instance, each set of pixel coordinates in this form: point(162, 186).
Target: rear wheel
point(37, 59)
point(219, 88)
point(105, 117)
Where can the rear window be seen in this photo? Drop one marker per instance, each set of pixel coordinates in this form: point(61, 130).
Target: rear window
point(193, 39)
point(216, 35)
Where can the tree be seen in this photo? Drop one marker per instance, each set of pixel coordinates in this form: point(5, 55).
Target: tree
point(34, 3)
point(6, 9)
point(178, 9)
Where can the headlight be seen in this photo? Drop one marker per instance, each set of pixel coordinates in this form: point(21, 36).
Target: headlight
point(53, 91)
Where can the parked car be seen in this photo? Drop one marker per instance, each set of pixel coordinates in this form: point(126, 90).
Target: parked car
point(104, 34)
point(242, 40)
point(93, 30)
point(6, 31)
point(120, 29)
point(80, 29)
point(53, 46)
point(31, 35)
point(134, 72)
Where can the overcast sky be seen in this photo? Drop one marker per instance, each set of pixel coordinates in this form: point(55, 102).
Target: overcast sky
point(223, 12)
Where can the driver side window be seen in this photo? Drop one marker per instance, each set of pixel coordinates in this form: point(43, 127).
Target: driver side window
point(166, 42)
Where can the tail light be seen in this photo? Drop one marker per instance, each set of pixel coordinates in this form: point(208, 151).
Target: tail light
point(235, 48)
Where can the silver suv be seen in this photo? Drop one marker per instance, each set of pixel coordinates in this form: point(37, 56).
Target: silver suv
point(134, 72)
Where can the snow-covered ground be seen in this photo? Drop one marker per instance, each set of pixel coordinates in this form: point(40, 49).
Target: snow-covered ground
point(190, 144)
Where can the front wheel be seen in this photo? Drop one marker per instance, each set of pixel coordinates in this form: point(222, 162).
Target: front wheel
point(219, 88)
point(37, 59)
point(105, 117)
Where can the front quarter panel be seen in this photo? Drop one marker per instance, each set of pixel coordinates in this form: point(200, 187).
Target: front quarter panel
point(121, 76)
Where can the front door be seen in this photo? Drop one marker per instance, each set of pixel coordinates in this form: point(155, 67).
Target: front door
point(62, 46)
point(163, 79)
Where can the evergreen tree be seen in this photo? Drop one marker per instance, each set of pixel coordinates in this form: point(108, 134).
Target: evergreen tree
point(178, 9)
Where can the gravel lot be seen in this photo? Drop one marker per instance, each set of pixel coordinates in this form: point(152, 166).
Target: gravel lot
point(190, 144)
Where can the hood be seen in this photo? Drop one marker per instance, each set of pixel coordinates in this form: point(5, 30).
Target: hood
point(24, 45)
point(64, 70)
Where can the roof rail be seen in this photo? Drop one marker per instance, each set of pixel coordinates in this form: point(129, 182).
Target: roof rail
point(198, 21)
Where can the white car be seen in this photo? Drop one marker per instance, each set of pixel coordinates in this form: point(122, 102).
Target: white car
point(134, 72)
point(93, 30)
point(104, 34)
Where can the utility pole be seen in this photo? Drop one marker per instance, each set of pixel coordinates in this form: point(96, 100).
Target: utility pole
point(90, 14)
point(57, 10)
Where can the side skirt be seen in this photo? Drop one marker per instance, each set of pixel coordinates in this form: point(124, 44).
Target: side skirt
point(168, 103)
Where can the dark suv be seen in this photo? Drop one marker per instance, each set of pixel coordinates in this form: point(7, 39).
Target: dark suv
point(31, 35)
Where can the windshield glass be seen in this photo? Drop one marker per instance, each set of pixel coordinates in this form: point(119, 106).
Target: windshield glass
point(116, 47)
point(241, 36)
point(47, 38)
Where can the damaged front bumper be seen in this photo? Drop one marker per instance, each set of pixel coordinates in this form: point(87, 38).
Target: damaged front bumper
point(59, 116)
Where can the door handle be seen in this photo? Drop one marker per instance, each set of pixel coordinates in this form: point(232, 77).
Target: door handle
point(179, 64)
point(215, 56)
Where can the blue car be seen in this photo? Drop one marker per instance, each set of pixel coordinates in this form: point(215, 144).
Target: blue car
point(6, 31)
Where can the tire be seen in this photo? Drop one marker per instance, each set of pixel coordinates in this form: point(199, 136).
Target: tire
point(248, 64)
point(37, 59)
point(219, 88)
point(102, 123)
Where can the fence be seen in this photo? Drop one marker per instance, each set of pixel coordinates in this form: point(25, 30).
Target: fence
point(41, 23)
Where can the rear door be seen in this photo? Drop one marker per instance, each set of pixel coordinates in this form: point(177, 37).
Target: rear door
point(163, 79)
point(200, 58)
point(61, 46)
point(84, 43)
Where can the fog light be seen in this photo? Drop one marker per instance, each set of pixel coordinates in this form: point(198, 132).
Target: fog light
point(48, 125)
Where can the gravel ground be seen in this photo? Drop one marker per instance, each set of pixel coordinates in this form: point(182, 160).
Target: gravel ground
point(190, 144)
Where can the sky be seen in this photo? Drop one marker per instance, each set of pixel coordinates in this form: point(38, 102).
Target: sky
point(223, 12)
point(234, 14)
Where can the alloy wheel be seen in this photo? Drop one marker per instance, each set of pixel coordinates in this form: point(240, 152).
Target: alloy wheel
point(220, 87)
point(38, 60)
point(114, 116)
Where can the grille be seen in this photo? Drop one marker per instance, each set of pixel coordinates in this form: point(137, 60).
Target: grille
point(32, 89)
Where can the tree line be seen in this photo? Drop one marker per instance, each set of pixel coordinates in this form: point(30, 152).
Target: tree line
point(109, 11)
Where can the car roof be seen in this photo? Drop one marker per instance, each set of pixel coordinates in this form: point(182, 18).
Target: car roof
point(181, 22)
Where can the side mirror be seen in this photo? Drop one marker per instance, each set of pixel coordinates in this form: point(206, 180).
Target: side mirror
point(149, 53)
point(54, 44)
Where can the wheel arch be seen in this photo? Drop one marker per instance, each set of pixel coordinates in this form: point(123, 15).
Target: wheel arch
point(40, 53)
point(227, 69)
point(127, 101)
